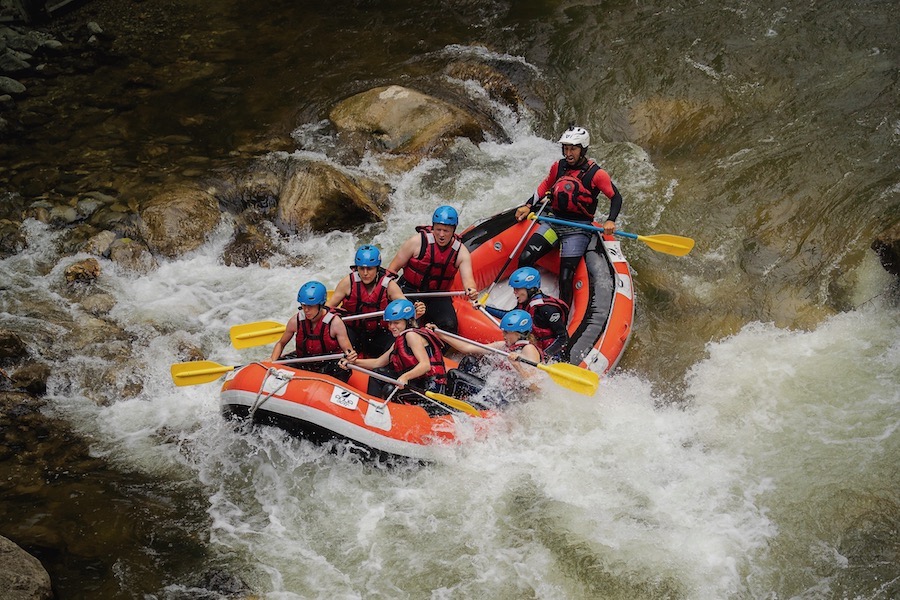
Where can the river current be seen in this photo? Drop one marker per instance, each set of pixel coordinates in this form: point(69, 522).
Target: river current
point(747, 446)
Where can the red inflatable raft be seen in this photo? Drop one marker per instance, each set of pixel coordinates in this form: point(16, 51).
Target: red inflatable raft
point(324, 409)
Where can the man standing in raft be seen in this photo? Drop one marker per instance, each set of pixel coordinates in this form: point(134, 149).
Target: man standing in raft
point(316, 331)
point(430, 260)
point(368, 288)
point(574, 185)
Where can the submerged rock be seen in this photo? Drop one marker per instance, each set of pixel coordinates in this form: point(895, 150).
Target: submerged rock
point(887, 247)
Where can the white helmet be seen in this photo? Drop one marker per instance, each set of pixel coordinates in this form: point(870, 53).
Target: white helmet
point(576, 136)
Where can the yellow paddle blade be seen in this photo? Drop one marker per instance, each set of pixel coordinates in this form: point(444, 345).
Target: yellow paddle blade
point(676, 245)
point(198, 371)
point(259, 333)
point(573, 377)
point(454, 403)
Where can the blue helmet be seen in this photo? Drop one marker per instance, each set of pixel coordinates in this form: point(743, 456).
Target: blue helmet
point(526, 277)
point(368, 256)
point(312, 293)
point(516, 320)
point(445, 215)
point(399, 309)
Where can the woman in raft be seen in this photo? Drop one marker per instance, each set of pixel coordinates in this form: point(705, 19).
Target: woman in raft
point(513, 379)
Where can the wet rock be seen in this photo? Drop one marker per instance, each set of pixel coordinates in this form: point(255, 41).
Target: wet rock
point(22, 577)
point(497, 85)
point(12, 348)
point(887, 247)
point(178, 221)
point(12, 240)
point(11, 86)
point(100, 243)
point(132, 255)
point(249, 246)
point(32, 378)
point(400, 120)
point(319, 196)
point(83, 271)
point(98, 304)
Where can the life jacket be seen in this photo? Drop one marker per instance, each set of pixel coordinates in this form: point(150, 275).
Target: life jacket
point(517, 347)
point(435, 267)
point(402, 358)
point(573, 196)
point(542, 333)
point(360, 300)
point(313, 339)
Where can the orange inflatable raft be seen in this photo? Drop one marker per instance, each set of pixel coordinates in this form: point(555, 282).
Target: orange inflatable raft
point(324, 409)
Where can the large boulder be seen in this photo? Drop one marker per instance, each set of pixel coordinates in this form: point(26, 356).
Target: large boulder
point(22, 577)
point(399, 120)
point(178, 221)
point(320, 196)
point(887, 247)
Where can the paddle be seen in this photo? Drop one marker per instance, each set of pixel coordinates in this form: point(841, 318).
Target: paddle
point(676, 245)
point(484, 297)
point(204, 371)
point(260, 333)
point(569, 376)
point(444, 399)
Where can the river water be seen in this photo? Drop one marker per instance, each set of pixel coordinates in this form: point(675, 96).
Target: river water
point(747, 446)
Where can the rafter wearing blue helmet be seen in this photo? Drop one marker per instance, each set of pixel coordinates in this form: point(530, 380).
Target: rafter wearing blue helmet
point(367, 289)
point(316, 331)
point(414, 358)
point(433, 260)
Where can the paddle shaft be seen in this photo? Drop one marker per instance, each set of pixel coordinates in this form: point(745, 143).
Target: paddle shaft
point(183, 374)
point(485, 346)
point(484, 297)
point(675, 245)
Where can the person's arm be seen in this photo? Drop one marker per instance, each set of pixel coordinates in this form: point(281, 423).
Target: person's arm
point(557, 327)
point(410, 248)
point(461, 346)
point(290, 330)
point(372, 363)
point(604, 183)
point(464, 264)
point(418, 345)
point(528, 373)
point(339, 332)
point(341, 291)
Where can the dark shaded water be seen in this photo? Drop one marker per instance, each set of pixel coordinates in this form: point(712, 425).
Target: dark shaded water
point(767, 132)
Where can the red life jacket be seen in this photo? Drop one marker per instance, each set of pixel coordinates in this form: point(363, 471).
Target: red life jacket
point(517, 347)
point(573, 196)
point(402, 358)
point(360, 300)
point(435, 267)
point(543, 334)
point(315, 339)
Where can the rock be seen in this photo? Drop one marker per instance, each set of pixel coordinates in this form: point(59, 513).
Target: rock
point(250, 246)
point(497, 85)
point(100, 243)
point(22, 577)
point(12, 348)
point(132, 255)
point(887, 247)
point(319, 196)
point(11, 86)
point(12, 240)
point(178, 221)
point(98, 304)
point(32, 378)
point(83, 271)
point(400, 120)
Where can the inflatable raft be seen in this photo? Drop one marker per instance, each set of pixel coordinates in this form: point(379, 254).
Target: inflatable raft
point(324, 409)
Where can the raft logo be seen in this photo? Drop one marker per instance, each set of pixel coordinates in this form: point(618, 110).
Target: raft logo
point(344, 398)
